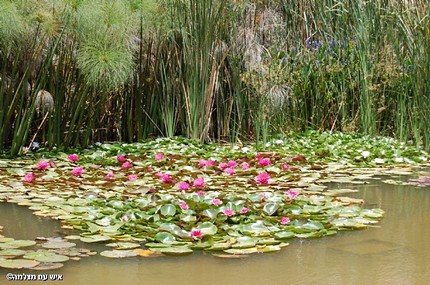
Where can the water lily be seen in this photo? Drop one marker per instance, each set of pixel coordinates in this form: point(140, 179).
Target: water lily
point(201, 193)
point(73, 157)
point(284, 221)
point(231, 163)
point(229, 171)
point(77, 171)
point(222, 165)
point(109, 175)
point(228, 212)
point(164, 177)
point(211, 162)
point(121, 158)
point(291, 194)
point(203, 162)
point(216, 202)
point(285, 167)
point(244, 210)
point(262, 178)
point(124, 218)
point(28, 177)
point(183, 205)
point(264, 162)
point(43, 165)
point(245, 165)
point(159, 156)
point(199, 182)
point(132, 177)
point(195, 233)
point(126, 164)
point(184, 186)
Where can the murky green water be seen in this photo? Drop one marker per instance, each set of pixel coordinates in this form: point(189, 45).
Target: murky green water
point(397, 251)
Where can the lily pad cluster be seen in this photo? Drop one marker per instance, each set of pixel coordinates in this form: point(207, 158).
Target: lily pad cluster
point(173, 196)
point(48, 254)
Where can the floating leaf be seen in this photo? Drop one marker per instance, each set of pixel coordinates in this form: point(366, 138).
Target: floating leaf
point(176, 250)
point(164, 237)
point(207, 228)
point(18, 263)
point(168, 210)
point(46, 256)
point(58, 244)
point(118, 253)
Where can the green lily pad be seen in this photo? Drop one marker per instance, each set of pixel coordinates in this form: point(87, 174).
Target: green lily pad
point(180, 250)
point(168, 210)
point(17, 243)
point(18, 263)
point(207, 228)
point(95, 238)
point(242, 251)
point(46, 256)
point(284, 235)
point(164, 237)
point(118, 253)
point(123, 245)
point(48, 266)
point(12, 252)
point(58, 244)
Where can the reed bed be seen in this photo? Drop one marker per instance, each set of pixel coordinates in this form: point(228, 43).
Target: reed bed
point(211, 70)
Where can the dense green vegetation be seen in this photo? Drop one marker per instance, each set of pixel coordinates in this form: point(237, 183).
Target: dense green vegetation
point(223, 70)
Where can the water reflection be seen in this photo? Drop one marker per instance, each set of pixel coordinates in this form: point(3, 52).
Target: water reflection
point(396, 251)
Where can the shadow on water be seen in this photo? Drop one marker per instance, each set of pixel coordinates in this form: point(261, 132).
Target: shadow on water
point(395, 251)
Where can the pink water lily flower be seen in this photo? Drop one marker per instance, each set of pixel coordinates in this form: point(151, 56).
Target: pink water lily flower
point(244, 210)
point(262, 178)
point(124, 218)
point(231, 163)
point(77, 171)
point(284, 221)
point(43, 165)
point(184, 186)
point(264, 162)
point(164, 177)
point(132, 177)
point(28, 177)
point(216, 202)
point(229, 171)
point(120, 158)
point(195, 233)
point(203, 162)
point(285, 167)
point(183, 205)
point(245, 166)
point(228, 212)
point(159, 156)
point(201, 193)
point(211, 162)
point(291, 194)
point(109, 175)
point(199, 182)
point(126, 164)
point(73, 157)
point(222, 165)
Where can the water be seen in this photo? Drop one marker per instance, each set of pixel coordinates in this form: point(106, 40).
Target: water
point(397, 251)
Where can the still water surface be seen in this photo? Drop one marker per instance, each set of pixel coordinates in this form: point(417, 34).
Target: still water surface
point(395, 252)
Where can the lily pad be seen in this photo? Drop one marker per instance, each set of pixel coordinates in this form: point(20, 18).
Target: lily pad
point(18, 263)
point(118, 253)
point(46, 256)
point(176, 250)
point(58, 244)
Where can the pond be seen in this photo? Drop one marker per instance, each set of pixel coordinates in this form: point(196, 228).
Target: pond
point(395, 251)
